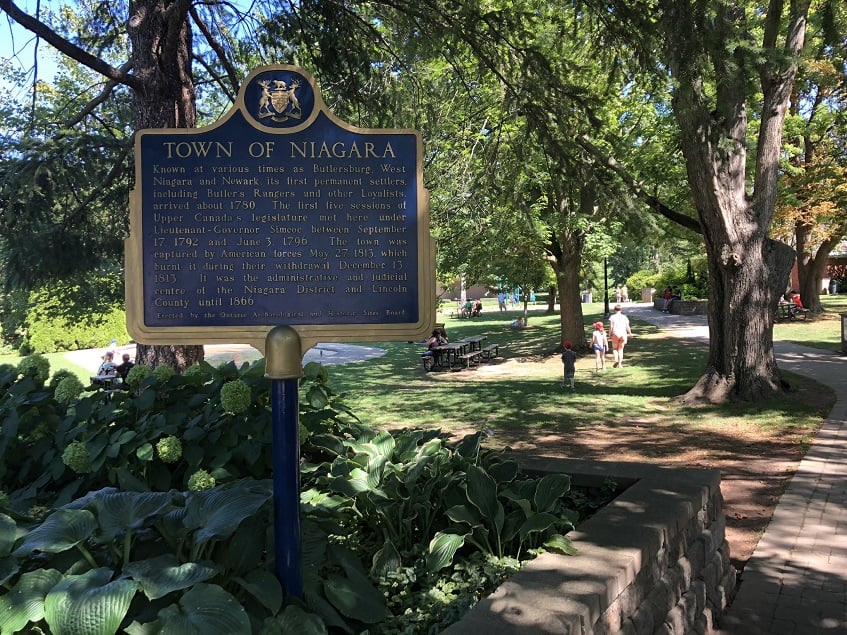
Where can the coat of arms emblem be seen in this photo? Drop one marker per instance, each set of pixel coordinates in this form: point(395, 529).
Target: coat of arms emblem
point(279, 100)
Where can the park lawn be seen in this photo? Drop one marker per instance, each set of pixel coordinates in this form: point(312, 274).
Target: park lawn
point(519, 396)
point(58, 361)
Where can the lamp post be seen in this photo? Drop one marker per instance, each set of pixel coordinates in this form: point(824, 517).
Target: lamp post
point(606, 312)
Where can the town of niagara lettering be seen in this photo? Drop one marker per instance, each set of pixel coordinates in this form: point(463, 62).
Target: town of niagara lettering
point(259, 149)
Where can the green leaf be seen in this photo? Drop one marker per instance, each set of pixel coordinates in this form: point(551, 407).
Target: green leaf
point(263, 586)
point(550, 489)
point(206, 609)
point(464, 514)
point(118, 512)
point(504, 472)
point(536, 523)
point(482, 492)
point(294, 619)
point(317, 397)
point(469, 446)
point(8, 533)
point(25, 602)
point(163, 574)
point(442, 548)
point(561, 543)
point(145, 452)
point(386, 560)
point(62, 530)
point(216, 513)
point(363, 603)
point(88, 604)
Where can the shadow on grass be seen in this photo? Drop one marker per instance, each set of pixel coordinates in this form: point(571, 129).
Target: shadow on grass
point(518, 398)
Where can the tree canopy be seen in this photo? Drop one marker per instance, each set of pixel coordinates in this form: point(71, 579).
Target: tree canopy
point(549, 130)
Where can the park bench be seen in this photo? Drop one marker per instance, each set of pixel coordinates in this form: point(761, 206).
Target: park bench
point(471, 358)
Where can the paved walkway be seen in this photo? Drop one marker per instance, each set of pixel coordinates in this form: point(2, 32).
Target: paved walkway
point(796, 581)
point(217, 354)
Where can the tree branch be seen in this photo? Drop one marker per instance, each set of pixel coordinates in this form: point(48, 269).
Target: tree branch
point(231, 73)
point(104, 94)
point(68, 48)
point(637, 188)
point(117, 169)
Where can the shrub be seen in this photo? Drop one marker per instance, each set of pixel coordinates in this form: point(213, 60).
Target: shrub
point(35, 366)
point(66, 316)
point(404, 521)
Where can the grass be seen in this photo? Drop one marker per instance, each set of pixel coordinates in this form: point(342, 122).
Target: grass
point(818, 331)
point(520, 394)
point(57, 361)
point(520, 397)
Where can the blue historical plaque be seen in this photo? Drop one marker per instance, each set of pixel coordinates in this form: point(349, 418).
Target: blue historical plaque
point(279, 214)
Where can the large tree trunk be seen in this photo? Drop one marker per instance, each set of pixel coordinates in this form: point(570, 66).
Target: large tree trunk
point(161, 57)
point(747, 269)
point(811, 267)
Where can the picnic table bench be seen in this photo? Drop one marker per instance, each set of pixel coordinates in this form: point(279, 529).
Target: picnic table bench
point(491, 351)
point(471, 358)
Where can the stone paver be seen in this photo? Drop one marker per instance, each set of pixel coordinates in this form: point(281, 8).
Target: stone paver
point(796, 581)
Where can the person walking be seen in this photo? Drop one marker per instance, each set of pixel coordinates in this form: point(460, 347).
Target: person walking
point(620, 330)
point(599, 344)
point(569, 360)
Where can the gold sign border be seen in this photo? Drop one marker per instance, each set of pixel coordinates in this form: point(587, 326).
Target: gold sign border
point(256, 335)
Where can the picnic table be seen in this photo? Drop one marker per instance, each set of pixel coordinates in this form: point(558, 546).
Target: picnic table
point(467, 352)
point(106, 380)
point(475, 341)
point(789, 311)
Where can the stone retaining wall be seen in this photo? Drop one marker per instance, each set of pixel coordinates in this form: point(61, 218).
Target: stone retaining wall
point(683, 307)
point(654, 561)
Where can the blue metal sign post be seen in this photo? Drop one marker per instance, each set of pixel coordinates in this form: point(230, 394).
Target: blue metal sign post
point(283, 368)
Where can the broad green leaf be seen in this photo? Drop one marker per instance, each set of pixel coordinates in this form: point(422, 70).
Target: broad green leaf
point(264, 586)
point(118, 512)
point(88, 604)
point(206, 609)
point(442, 549)
point(464, 514)
point(386, 560)
point(550, 489)
point(317, 397)
point(561, 543)
point(8, 534)
point(363, 603)
point(161, 575)
point(25, 602)
point(63, 529)
point(294, 619)
point(482, 492)
point(216, 513)
point(504, 472)
point(536, 523)
point(9, 567)
point(328, 442)
point(470, 445)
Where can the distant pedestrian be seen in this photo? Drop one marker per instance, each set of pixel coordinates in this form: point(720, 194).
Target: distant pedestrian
point(501, 300)
point(620, 330)
point(599, 344)
point(569, 360)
